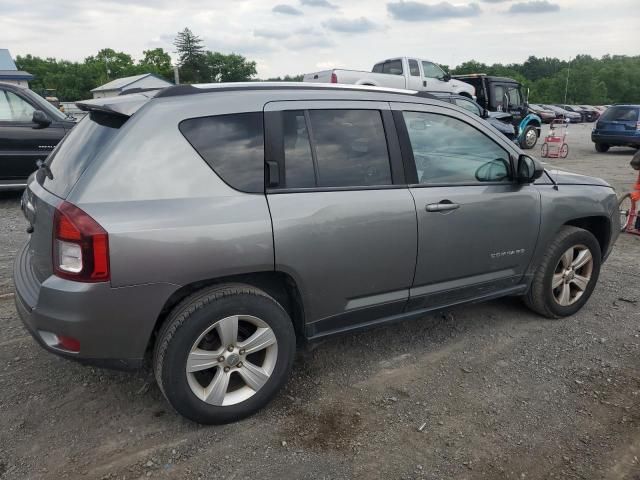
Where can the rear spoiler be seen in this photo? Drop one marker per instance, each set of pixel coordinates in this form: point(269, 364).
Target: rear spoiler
point(125, 105)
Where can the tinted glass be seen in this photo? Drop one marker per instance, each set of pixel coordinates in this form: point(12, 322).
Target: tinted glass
point(78, 149)
point(351, 148)
point(431, 70)
point(14, 109)
point(621, 114)
point(468, 105)
point(394, 67)
point(413, 68)
point(298, 162)
point(378, 67)
point(447, 150)
point(232, 145)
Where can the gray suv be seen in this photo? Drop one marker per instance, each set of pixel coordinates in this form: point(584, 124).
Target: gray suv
point(212, 226)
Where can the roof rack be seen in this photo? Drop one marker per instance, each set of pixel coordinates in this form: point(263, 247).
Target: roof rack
point(186, 89)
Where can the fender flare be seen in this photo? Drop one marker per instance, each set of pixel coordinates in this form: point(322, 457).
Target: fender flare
point(533, 120)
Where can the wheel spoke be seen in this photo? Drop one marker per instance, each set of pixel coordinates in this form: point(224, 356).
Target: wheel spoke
point(582, 259)
point(580, 282)
point(261, 339)
point(557, 280)
point(228, 330)
point(565, 295)
point(201, 360)
point(255, 377)
point(217, 389)
point(567, 258)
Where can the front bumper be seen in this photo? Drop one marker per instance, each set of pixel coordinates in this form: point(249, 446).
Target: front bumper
point(113, 325)
point(615, 139)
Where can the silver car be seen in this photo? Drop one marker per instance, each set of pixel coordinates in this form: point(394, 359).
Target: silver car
point(212, 226)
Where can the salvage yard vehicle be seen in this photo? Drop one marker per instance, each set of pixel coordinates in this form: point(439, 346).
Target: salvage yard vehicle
point(502, 94)
point(561, 113)
point(546, 115)
point(30, 128)
point(401, 72)
point(213, 225)
point(618, 126)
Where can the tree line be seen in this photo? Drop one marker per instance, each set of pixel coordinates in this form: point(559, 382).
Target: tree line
point(595, 81)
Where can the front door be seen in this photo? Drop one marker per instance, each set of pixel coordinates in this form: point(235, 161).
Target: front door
point(344, 223)
point(433, 77)
point(21, 145)
point(477, 228)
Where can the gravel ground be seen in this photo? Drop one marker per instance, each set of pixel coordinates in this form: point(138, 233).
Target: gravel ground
point(502, 393)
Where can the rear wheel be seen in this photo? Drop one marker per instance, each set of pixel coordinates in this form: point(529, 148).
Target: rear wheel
point(567, 274)
point(529, 138)
point(564, 151)
point(224, 353)
point(545, 150)
point(625, 206)
point(602, 147)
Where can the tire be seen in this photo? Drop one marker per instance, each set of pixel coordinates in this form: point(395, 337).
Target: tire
point(602, 147)
point(196, 323)
point(541, 297)
point(625, 204)
point(545, 150)
point(529, 138)
point(564, 150)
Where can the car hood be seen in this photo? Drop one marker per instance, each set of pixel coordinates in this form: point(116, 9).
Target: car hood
point(462, 86)
point(562, 177)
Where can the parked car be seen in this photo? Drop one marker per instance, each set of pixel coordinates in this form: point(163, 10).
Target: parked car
point(592, 113)
point(503, 94)
point(30, 128)
point(561, 113)
point(618, 126)
point(574, 109)
point(214, 224)
point(546, 115)
point(501, 121)
point(401, 72)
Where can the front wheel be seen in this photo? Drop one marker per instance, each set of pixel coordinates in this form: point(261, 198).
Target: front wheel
point(567, 274)
point(564, 151)
point(602, 147)
point(625, 207)
point(545, 150)
point(223, 353)
point(529, 138)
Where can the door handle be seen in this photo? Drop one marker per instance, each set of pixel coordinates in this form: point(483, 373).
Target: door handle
point(443, 206)
point(424, 83)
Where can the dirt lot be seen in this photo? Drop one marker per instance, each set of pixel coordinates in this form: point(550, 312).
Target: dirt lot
point(504, 393)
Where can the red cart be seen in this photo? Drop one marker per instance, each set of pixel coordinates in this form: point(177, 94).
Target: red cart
point(555, 144)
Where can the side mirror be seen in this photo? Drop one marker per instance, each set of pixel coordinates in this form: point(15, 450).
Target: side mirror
point(447, 77)
point(528, 169)
point(40, 119)
point(494, 171)
point(485, 113)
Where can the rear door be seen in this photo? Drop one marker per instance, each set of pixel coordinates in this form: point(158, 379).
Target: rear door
point(22, 142)
point(477, 228)
point(414, 77)
point(344, 223)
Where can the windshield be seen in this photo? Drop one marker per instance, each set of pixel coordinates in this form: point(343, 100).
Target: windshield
point(46, 106)
point(78, 149)
point(621, 114)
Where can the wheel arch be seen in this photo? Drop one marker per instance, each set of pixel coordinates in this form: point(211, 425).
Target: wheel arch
point(279, 285)
point(599, 226)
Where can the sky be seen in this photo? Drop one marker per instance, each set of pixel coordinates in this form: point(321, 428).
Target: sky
point(300, 36)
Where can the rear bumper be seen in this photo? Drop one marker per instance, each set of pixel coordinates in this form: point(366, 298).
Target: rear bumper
point(113, 325)
point(615, 139)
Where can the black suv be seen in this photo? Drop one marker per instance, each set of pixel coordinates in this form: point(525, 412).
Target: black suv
point(30, 127)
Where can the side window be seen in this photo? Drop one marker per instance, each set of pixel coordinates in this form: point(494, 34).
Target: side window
point(349, 149)
point(298, 161)
point(514, 97)
point(431, 70)
point(232, 145)
point(393, 67)
point(498, 91)
point(378, 68)
point(13, 108)
point(468, 105)
point(449, 151)
point(414, 69)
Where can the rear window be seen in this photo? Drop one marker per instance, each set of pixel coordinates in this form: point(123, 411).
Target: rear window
point(78, 149)
point(621, 114)
point(392, 67)
point(232, 145)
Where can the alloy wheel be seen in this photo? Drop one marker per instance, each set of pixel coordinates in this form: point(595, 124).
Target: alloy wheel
point(572, 275)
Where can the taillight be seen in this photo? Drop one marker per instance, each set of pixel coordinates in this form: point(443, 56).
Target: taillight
point(334, 77)
point(638, 126)
point(80, 246)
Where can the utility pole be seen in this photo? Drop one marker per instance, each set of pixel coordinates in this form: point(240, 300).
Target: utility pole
point(176, 75)
point(566, 86)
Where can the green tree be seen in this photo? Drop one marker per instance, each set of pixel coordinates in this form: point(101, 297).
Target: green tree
point(191, 56)
point(228, 68)
point(157, 61)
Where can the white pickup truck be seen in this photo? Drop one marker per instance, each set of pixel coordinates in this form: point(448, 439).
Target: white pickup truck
point(400, 72)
